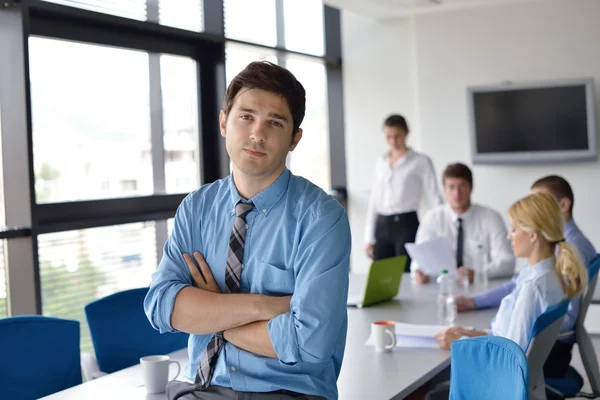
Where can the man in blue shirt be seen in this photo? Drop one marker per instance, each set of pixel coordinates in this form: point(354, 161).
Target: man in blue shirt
point(283, 335)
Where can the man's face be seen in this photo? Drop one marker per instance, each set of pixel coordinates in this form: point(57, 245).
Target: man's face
point(258, 133)
point(395, 137)
point(458, 192)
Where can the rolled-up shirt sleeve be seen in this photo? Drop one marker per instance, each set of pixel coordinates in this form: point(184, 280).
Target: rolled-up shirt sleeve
point(318, 317)
point(172, 274)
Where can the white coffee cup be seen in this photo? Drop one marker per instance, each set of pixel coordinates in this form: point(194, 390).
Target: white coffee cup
point(155, 372)
point(384, 335)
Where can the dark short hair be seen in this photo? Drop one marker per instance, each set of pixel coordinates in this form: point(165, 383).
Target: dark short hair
point(396, 120)
point(458, 170)
point(265, 75)
point(558, 186)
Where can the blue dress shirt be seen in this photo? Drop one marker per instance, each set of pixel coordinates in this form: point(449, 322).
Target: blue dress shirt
point(574, 236)
point(538, 287)
point(297, 243)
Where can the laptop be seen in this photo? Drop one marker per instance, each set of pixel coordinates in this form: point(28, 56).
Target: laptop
point(383, 282)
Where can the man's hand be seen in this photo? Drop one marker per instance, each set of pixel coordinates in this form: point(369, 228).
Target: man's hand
point(466, 271)
point(464, 303)
point(370, 249)
point(450, 335)
point(201, 273)
point(421, 277)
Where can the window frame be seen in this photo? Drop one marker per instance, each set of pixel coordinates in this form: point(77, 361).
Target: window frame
point(207, 49)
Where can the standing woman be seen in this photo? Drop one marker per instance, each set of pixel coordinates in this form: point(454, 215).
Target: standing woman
point(402, 178)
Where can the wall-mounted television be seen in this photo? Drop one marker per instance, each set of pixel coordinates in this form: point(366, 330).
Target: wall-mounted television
point(536, 122)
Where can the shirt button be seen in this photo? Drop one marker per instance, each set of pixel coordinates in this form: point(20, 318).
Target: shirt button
point(265, 210)
point(233, 369)
point(246, 226)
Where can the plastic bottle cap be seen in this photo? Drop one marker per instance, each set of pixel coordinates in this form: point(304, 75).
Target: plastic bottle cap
point(444, 271)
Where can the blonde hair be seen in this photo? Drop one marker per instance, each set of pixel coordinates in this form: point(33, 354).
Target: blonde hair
point(540, 213)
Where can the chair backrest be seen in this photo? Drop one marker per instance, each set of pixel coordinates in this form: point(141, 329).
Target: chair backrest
point(490, 367)
point(544, 333)
point(586, 299)
point(582, 337)
point(38, 356)
point(122, 334)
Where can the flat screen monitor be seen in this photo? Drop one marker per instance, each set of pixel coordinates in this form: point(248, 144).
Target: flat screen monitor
point(537, 122)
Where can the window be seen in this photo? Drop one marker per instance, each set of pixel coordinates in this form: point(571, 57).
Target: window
point(78, 267)
point(237, 57)
point(251, 21)
point(311, 158)
point(180, 123)
point(298, 37)
point(91, 121)
point(183, 14)
point(3, 283)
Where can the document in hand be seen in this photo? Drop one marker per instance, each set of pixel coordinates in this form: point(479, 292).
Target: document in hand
point(432, 256)
point(414, 335)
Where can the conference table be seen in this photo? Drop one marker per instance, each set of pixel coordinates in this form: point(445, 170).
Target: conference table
point(365, 374)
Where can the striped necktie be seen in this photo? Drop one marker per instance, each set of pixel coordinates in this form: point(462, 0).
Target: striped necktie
point(233, 275)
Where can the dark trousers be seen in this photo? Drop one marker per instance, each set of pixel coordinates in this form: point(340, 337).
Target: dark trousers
point(185, 391)
point(558, 360)
point(392, 232)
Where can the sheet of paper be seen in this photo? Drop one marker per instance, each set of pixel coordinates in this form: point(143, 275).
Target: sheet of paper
point(411, 341)
point(432, 256)
point(414, 335)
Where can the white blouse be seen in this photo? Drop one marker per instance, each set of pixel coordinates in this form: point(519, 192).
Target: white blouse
point(399, 188)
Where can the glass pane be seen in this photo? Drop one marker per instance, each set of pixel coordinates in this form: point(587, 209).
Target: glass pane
point(182, 14)
point(78, 267)
point(251, 21)
point(3, 283)
point(237, 57)
point(297, 36)
point(91, 103)
point(180, 122)
point(311, 158)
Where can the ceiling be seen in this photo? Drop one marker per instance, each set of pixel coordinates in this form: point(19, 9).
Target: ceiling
point(383, 9)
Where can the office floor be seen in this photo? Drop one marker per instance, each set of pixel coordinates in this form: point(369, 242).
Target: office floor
point(576, 362)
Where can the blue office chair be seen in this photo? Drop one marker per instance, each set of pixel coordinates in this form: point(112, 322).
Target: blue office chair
point(570, 385)
point(121, 333)
point(488, 367)
point(38, 356)
point(544, 333)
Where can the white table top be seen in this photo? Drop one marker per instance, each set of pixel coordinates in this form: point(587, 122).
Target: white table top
point(365, 374)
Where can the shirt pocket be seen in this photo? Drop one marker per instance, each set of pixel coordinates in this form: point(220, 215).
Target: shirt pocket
point(272, 280)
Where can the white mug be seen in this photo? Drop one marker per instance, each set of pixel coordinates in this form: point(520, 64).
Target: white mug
point(384, 335)
point(155, 371)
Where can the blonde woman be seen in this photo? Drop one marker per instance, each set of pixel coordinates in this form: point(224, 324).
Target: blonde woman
point(536, 231)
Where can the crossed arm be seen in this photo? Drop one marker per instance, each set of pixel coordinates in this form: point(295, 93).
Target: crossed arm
point(241, 317)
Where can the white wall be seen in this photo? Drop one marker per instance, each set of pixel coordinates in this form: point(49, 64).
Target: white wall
point(375, 55)
point(422, 67)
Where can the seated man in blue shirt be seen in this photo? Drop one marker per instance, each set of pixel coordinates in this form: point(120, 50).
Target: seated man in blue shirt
point(560, 355)
point(266, 303)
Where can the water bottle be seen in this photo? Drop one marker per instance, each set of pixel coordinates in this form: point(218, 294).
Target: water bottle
point(481, 275)
point(446, 304)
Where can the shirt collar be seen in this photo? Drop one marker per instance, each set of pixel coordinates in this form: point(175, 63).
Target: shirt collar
point(265, 200)
point(401, 160)
point(454, 216)
point(539, 269)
